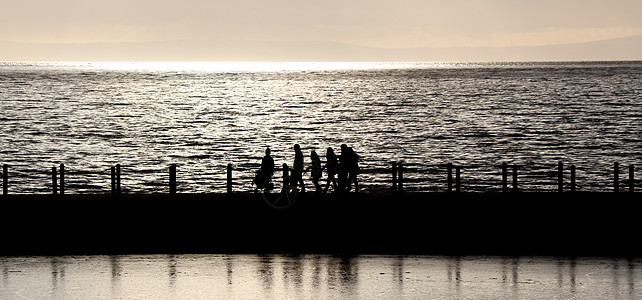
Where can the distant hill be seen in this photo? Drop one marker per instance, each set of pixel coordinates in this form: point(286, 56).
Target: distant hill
point(617, 49)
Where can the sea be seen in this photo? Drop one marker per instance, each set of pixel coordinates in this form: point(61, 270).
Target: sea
point(204, 116)
point(270, 276)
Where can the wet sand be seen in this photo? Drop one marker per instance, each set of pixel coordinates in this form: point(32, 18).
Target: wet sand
point(249, 276)
point(568, 224)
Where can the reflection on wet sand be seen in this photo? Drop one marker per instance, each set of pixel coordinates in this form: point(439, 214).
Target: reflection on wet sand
point(342, 273)
point(398, 271)
point(116, 271)
point(57, 276)
point(630, 277)
point(229, 269)
point(316, 277)
point(265, 271)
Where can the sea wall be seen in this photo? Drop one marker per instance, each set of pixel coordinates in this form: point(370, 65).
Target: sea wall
point(567, 224)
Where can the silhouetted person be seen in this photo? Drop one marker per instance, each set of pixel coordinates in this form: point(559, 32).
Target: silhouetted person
point(266, 170)
point(267, 163)
point(297, 170)
point(332, 166)
point(350, 161)
point(342, 178)
point(316, 170)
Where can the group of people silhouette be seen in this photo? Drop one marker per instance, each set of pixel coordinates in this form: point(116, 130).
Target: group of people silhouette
point(345, 167)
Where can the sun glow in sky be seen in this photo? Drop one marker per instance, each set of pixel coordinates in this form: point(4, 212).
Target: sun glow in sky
point(370, 23)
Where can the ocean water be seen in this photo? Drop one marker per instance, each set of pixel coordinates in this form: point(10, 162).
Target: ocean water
point(201, 117)
point(317, 277)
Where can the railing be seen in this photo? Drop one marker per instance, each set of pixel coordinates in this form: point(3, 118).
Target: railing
point(398, 178)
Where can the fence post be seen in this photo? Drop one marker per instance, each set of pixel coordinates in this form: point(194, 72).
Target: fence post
point(504, 177)
point(118, 180)
point(457, 178)
point(450, 177)
point(560, 177)
point(285, 175)
point(54, 181)
point(113, 181)
point(172, 179)
point(514, 178)
point(616, 177)
point(229, 178)
point(394, 177)
point(62, 179)
point(5, 179)
point(631, 178)
point(572, 178)
point(400, 170)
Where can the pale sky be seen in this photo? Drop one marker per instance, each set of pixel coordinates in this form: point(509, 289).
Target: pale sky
point(375, 23)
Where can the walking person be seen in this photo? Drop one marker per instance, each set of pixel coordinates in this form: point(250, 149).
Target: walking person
point(343, 183)
point(297, 170)
point(350, 161)
point(332, 167)
point(266, 170)
point(316, 170)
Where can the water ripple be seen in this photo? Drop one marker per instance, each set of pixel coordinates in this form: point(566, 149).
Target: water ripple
point(90, 117)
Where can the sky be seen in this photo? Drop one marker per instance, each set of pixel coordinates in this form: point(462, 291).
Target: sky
point(372, 23)
point(387, 24)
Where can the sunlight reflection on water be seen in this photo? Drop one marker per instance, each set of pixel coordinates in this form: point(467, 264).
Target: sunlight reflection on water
point(249, 66)
point(316, 277)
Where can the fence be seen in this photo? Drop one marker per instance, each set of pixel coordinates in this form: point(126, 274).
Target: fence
point(398, 178)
